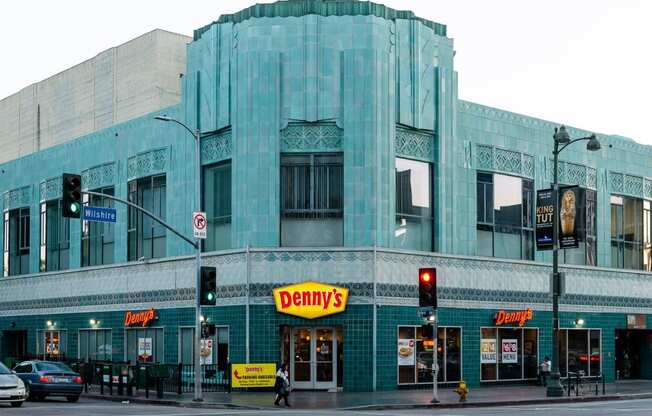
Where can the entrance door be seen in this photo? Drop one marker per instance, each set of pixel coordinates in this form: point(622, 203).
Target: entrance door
point(14, 344)
point(633, 354)
point(313, 352)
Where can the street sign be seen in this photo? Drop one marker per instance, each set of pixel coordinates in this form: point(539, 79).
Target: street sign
point(199, 224)
point(99, 214)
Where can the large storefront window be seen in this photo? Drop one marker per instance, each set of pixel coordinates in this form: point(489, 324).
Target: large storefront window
point(55, 237)
point(311, 200)
point(144, 345)
point(414, 213)
point(586, 253)
point(415, 355)
point(630, 233)
point(16, 242)
point(509, 353)
point(214, 351)
point(580, 351)
point(146, 236)
point(98, 239)
point(217, 203)
point(505, 207)
point(95, 345)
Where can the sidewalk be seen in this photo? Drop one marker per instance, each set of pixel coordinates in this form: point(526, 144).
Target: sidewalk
point(397, 399)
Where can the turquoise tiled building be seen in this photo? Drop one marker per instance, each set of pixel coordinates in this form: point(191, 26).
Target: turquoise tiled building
point(335, 150)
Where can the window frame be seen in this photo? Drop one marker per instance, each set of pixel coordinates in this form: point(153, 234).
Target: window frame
point(135, 192)
point(429, 218)
point(106, 331)
point(21, 241)
point(498, 352)
point(619, 240)
point(223, 219)
point(63, 228)
point(87, 235)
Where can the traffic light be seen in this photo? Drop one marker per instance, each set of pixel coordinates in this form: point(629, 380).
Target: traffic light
point(428, 287)
point(71, 196)
point(208, 289)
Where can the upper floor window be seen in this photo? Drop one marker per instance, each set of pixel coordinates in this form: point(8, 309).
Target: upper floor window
point(146, 237)
point(505, 216)
point(630, 233)
point(414, 213)
point(16, 242)
point(98, 241)
point(586, 253)
point(55, 237)
point(217, 203)
point(311, 200)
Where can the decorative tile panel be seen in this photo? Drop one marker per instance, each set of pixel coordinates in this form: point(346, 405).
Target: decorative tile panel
point(616, 182)
point(647, 188)
point(633, 185)
point(50, 189)
point(591, 178)
point(17, 198)
point(570, 173)
point(99, 176)
point(503, 160)
point(216, 148)
point(416, 144)
point(148, 163)
point(311, 137)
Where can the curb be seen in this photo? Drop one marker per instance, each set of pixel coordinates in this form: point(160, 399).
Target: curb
point(398, 406)
point(613, 397)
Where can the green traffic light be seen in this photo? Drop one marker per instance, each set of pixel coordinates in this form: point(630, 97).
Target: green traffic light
point(210, 296)
point(74, 208)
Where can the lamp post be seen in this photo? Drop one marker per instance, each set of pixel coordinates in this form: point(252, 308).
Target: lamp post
point(561, 138)
point(196, 360)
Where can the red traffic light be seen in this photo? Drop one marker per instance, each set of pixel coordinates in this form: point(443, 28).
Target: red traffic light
point(428, 287)
point(425, 276)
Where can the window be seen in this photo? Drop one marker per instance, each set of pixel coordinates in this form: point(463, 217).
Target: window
point(580, 351)
point(630, 233)
point(98, 240)
point(509, 353)
point(146, 236)
point(586, 253)
point(414, 213)
point(16, 242)
point(217, 203)
point(505, 206)
point(218, 350)
point(415, 355)
point(95, 345)
point(311, 200)
point(51, 345)
point(55, 237)
point(144, 345)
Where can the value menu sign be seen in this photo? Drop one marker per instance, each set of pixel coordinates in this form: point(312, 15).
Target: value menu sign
point(545, 217)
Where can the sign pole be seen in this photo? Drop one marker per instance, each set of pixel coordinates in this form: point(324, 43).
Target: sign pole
point(435, 365)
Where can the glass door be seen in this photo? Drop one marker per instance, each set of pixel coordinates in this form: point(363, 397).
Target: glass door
point(313, 352)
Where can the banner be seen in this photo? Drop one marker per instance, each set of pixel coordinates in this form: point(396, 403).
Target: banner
point(545, 215)
point(405, 352)
point(206, 352)
point(510, 351)
point(488, 351)
point(253, 375)
point(145, 350)
point(571, 206)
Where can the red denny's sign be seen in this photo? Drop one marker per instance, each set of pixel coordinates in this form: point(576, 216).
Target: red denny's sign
point(310, 300)
point(512, 317)
point(140, 318)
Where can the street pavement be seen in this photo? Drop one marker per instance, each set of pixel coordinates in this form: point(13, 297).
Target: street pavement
point(86, 407)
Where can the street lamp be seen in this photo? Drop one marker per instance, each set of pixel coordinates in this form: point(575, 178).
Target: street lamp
point(561, 138)
point(196, 361)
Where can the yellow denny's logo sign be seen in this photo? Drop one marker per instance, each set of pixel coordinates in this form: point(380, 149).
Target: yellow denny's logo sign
point(310, 300)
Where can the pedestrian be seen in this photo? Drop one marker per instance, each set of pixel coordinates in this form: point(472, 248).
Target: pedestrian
point(282, 385)
point(544, 370)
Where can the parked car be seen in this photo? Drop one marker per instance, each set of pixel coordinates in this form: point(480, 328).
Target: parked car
point(12, 388)
point(49, 378)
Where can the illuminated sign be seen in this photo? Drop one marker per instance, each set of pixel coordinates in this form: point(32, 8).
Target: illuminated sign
point(253, 375)
point(512, 317)
point(310, 300)
point(140, 318)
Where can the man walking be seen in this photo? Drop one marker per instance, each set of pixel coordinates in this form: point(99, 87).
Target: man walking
point(544, 370)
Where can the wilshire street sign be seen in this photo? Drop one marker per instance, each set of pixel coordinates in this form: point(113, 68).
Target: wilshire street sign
point(99, 214)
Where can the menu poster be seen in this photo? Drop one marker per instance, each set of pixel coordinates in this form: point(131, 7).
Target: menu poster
point(405, 352)
point(145, 350)
point(510, 351)
point(206, 352)
point(488, 351)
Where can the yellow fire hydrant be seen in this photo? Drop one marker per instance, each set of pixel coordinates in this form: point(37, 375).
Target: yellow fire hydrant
point(462, 390)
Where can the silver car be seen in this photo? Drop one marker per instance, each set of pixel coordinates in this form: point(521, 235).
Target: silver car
point(12, 389)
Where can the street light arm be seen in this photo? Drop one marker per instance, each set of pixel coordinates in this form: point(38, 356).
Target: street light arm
point(573, 141)
point(194, 134)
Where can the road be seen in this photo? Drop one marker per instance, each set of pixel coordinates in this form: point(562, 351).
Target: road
point(85, 407)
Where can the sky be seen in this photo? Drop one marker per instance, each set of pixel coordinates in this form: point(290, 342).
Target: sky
point(584, 63)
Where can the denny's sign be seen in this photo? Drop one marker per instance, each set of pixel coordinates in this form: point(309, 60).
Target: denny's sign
point(310, 300)
point(513, 317)
point(140, 318)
